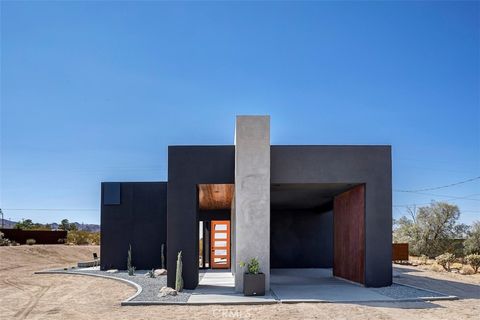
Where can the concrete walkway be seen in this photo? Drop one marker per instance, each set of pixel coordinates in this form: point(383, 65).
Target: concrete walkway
point(302, 285)
point(318, 285)
point(218, 287)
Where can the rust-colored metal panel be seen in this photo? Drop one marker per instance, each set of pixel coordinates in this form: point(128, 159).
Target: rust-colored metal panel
point(349, 235)
point(400, 252)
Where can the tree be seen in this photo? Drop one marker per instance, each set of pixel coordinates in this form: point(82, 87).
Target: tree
point(472, 243)
point(24, 224)
point(27, 224)
point(429, 229)
point(67, 226)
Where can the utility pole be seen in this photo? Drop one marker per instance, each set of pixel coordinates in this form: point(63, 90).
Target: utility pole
point(3, 222)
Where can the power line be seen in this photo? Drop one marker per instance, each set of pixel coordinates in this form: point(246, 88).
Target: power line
point(410, 205)
point(445, 196)
point(441, 187)
point(50, 209)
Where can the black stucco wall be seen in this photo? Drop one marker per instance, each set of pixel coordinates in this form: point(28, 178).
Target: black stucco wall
point(187, 167)
point(301, 239)
point(139, 220)
point(349, 164)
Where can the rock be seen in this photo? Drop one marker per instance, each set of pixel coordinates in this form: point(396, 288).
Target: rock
point(112, 271)
point(160, 272)
point(167, 291)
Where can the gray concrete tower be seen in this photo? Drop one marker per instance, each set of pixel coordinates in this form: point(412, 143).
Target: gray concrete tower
point(251, 210)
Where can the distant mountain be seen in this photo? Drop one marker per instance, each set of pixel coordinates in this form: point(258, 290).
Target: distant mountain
point(81, 226)
point(7, 224)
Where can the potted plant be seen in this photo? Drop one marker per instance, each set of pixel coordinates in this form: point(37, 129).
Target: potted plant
point(253, 279)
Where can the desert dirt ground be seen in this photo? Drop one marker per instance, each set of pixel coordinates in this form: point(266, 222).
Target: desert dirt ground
point(24, 295)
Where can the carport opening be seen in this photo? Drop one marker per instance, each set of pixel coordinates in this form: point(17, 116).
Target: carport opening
point(303, 231)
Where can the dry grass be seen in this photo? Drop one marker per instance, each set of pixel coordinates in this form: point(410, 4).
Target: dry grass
point(24, 295)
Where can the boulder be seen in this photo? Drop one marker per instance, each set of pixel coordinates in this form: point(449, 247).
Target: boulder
point(160, 272)
point(167, 291)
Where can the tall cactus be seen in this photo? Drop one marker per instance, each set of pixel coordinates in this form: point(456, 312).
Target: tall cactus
point(130, 268)
point(178, 276)
point(163, 255)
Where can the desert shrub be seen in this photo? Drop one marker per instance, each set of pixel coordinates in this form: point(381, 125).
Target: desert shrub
point(435, 267)
point(445, 260)
point(472, 243)
point(83, 237)
point(423, 259)
point(4, 241)
point(467, 270)
point(474, 261)
point(30, 242)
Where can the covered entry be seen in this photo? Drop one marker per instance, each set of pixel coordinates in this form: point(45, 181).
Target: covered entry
point(214, 204)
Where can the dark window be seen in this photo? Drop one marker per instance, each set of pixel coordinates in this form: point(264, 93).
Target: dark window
point(111, 193)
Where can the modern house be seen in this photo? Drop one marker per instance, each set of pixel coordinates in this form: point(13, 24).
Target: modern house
point(294, 206)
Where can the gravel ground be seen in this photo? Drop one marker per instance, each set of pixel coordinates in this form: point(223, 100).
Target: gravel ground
point(398, 291)
point(151, 286)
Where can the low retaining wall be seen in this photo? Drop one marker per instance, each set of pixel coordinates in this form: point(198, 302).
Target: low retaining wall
point(40, 236)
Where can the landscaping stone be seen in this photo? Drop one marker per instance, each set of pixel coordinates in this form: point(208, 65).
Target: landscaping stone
point(160, 272)
point(112, 271)
point(167, 291)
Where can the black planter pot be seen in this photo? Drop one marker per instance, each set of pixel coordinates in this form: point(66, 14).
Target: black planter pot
point(254, 284)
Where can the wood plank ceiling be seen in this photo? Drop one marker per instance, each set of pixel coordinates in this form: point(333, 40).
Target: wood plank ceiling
point(215, 196)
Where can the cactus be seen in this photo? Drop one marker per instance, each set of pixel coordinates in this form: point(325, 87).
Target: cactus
point(130, 268)
point(178, 276)
point(163, 255)
point(151, 273)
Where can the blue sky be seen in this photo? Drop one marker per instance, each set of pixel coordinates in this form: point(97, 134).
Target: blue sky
point(96, 91)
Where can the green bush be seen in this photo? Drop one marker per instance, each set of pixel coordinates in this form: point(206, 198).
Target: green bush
point(253, 267)
point(474, 261)
point(445, 260)
point(30, 242)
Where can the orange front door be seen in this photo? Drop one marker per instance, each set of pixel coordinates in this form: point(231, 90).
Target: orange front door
point(220, 244)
